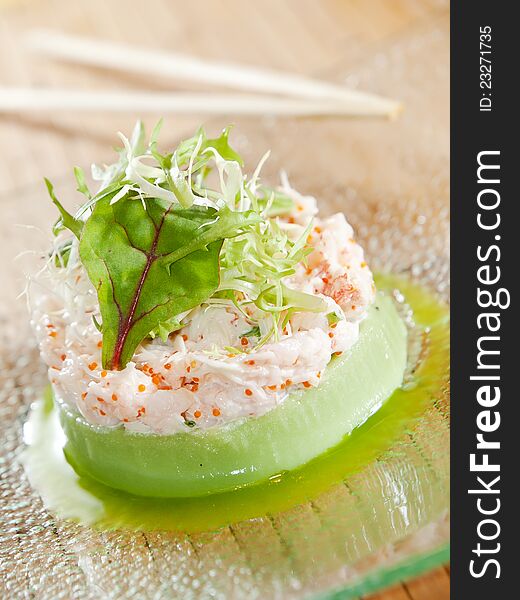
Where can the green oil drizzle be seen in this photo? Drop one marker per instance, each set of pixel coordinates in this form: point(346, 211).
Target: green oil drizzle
point(82, 499)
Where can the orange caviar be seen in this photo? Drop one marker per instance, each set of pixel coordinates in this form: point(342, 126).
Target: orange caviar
point(92, 366)
point(141, 387)
point(248, 392)
point(197, 414)
point(216, 412)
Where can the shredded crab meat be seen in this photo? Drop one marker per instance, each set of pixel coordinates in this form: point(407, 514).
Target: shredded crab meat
point(215, 369)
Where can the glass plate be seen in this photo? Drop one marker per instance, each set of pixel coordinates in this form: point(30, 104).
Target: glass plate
point(386, 521)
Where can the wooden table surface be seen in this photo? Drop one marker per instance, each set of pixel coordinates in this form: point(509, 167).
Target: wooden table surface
point(303, 36)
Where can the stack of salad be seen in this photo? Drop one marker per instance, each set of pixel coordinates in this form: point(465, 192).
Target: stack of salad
point(184, 294)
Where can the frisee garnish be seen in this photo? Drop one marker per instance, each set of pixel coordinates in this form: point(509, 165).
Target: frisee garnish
point(253, 332)
point(159, 239)
point(333, 318)
point(165, 328)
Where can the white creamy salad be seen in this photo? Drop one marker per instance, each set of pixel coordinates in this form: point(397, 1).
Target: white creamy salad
point(290, 294)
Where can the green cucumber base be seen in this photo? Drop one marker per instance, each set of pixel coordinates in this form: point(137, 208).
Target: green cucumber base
point(306, 424)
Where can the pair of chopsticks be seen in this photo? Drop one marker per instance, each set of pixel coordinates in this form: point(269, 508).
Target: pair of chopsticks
point(268, 92)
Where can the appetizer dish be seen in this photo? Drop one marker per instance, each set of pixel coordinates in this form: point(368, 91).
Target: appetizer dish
point(202, 330)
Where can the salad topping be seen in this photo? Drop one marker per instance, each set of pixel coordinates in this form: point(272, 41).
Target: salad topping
point(184, 294)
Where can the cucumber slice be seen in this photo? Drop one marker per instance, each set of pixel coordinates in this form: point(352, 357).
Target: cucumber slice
point(309, 422)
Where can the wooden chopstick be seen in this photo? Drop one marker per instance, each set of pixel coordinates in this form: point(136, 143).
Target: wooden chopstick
point(128, 58)
point(15, 100)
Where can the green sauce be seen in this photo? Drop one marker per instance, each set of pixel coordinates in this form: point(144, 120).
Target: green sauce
point(80, 498)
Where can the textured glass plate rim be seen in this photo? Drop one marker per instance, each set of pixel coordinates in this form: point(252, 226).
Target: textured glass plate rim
point(386, 577)
point(377, 579)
